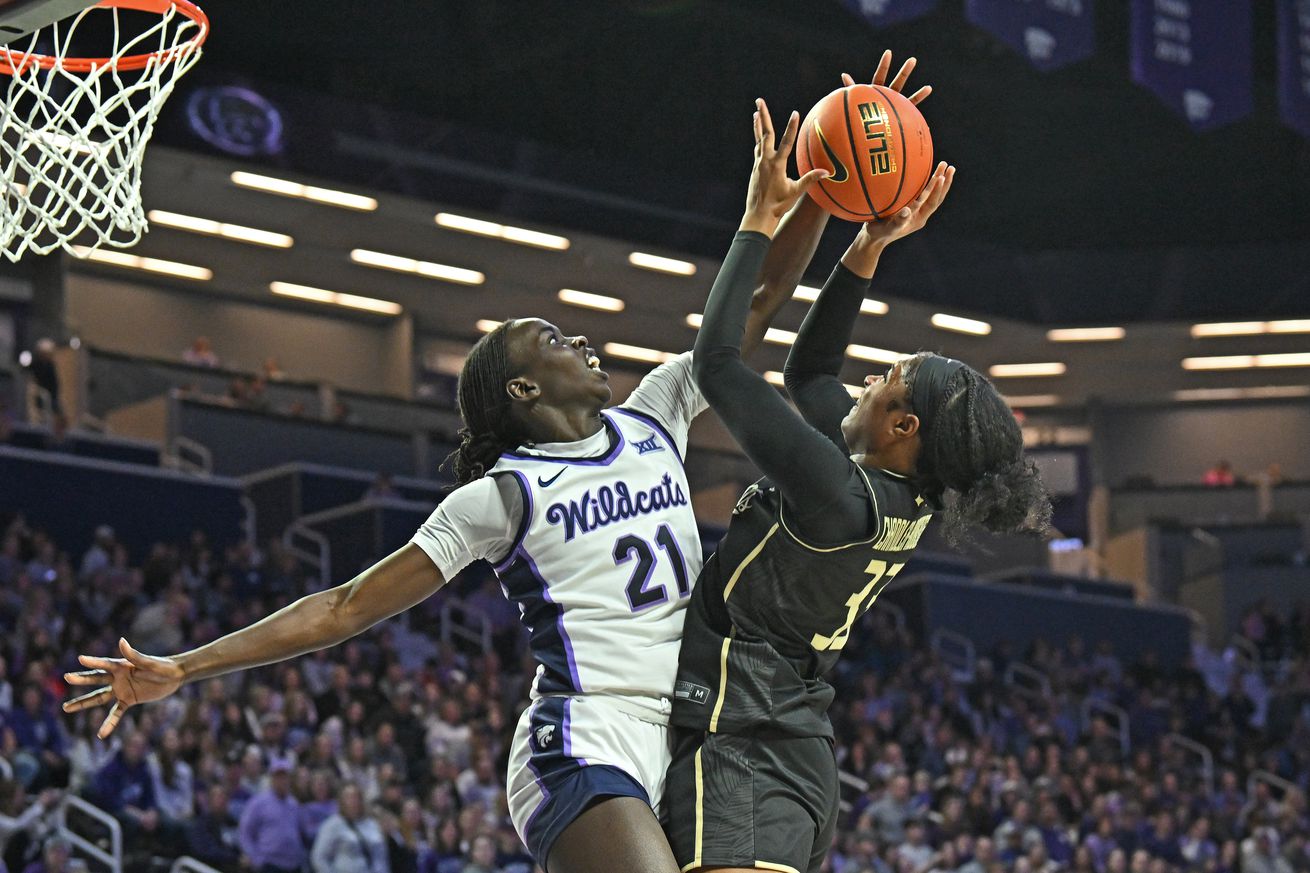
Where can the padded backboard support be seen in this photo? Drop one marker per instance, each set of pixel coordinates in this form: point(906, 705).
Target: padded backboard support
point(19, 18)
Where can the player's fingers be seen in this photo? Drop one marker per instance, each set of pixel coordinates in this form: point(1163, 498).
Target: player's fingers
point(132, 655)
point(87, 677)
point(903, 74)
point(759, 135)
point(789, 135)
point(847, 80)
point(804, 182)
point(109, 665)
point(933, 181)
point(922, 94)
point(766, 128)
point(99, 697)
point(111, 721)
point(884, 66)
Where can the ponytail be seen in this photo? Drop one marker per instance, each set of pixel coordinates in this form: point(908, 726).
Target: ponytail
point(972, 463)
point(489, 428)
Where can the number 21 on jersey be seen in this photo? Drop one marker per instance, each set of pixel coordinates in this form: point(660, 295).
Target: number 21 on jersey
point(856, 605)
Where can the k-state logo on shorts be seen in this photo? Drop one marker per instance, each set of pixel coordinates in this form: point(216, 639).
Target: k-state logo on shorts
point(545, 734)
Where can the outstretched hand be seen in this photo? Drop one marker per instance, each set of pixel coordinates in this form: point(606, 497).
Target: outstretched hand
point(772, 192)
point(914, 216)
point(898, 83)
point(129, 680)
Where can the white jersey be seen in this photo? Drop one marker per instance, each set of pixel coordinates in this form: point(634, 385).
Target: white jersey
point(607, 555)
point(594, 541)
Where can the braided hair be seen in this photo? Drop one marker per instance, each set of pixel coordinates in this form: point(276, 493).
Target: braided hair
point(972, 462)
point(489, 428)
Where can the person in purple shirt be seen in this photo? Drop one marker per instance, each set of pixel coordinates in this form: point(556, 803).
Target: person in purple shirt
point(40, 735)
point(269, 833)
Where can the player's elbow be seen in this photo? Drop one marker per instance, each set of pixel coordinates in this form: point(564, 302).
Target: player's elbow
point(711, 371)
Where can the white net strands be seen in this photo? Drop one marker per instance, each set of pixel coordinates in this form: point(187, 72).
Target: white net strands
point(73, 131)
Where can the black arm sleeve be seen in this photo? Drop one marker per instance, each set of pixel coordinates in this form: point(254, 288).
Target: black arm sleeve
point(812, 374)
point(818, 481)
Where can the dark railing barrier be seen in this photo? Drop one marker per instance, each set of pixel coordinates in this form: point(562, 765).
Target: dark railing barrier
point(86, 444)
point(71, 496)
point(990, 614)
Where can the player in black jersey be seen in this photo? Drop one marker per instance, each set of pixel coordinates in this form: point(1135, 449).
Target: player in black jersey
point(848, 491)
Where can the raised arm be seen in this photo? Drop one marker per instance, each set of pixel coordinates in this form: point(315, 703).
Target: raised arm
point(791, 453)
point(814, 364)
point(396, 583)
point(784, 266)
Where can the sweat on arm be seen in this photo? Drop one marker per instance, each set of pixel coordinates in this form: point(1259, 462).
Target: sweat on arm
point(823, 491)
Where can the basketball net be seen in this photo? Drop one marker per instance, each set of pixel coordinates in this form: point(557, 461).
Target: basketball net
point(73, 131)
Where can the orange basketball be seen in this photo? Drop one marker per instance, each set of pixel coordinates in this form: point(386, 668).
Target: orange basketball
point(875, 143)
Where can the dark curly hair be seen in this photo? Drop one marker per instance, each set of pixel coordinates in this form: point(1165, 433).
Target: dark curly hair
point(489, 428)
point(972, 463)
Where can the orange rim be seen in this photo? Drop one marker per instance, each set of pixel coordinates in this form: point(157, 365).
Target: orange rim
point(129, 62)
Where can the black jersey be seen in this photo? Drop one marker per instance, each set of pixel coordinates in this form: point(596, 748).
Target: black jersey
point(771, 613)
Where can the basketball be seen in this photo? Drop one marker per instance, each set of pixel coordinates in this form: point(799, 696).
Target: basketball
point(875, 143)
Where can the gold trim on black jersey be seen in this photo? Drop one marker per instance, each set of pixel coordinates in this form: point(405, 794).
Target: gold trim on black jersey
point(873, 495)
point(754, 553)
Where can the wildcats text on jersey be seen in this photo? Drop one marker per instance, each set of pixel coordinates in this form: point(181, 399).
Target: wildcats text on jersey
point(612, 503)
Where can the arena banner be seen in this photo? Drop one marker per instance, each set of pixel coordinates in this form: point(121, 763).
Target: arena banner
point(1049, 33)
point(1294, 64)
point(1195, 55)
point(882, 12)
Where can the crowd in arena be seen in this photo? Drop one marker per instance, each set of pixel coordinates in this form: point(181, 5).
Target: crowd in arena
point(387, 754)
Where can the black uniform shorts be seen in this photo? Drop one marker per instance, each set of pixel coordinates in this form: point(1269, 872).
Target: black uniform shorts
point(751, 800)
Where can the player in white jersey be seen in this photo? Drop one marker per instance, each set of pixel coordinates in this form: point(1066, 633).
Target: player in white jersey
point(586, 514)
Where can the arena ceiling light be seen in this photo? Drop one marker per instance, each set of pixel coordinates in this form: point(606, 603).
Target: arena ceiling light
point(1085, 334)
point(1251, 328)
point(335, 298)
point(427, 269)
point(637, 353)
point(149, 265)
point(312, 193)
point(1244, 362)
point(773, 377)
point(520, 235)
point(775, 335)
point(868, 306)
point(960, 324)
point(1263, 392)
point(487, 325)
point(587, 300)
point(875, 354)
point(661, 264)
point(1028, 401)
point(209, 227)
point(1016, 371)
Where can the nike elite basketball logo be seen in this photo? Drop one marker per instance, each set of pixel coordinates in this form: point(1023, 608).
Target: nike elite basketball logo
point(839, 172)
point(546, 483)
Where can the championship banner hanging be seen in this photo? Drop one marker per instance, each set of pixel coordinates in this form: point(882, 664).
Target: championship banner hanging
point(1195, 55)
point(1049, 33)
point(1294, 64)
point(882, 12)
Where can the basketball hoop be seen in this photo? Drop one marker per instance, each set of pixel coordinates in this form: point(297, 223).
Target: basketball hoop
point(73, 130)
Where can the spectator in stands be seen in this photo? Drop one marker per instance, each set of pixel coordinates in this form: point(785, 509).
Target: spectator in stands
point(201, 353)
point(46, 377)
point(480, 784)
point(22, 821)
point(1220, 476)
point(407, 841)
point(40, 735)
point(481, 856)
point(269, 832)
point(125, 789)
point(6, 687)
point(350, 841)
point(211, 836)
point(56, 857)
point(272, 370)
point(319, 806)
point(891, 812)
point(100, 556)
point(174, 784)
point(1260, 853)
